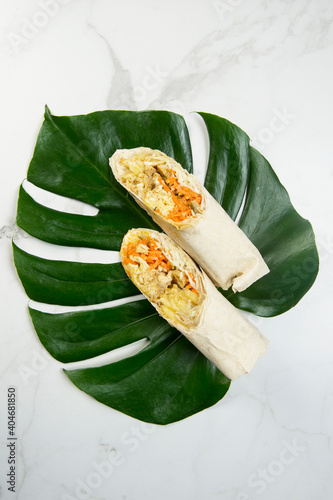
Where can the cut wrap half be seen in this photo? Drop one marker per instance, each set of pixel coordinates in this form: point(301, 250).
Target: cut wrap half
point(186, 211)
point(188, 300)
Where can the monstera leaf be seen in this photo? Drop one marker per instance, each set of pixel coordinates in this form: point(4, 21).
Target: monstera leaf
point(168, 379)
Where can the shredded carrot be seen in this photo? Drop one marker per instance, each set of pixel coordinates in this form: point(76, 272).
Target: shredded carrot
point(152, 245)
point(127, 260)
point(154, 258)
point(190, 287)
point(182, 197)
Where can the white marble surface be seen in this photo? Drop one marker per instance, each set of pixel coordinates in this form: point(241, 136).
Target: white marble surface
point(249, 61)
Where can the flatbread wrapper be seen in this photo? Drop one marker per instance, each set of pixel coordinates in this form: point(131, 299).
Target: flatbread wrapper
point(192, 218)
point(185, 296)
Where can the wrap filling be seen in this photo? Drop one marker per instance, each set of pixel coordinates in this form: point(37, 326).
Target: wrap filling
point(155, 179)
point(172, 288)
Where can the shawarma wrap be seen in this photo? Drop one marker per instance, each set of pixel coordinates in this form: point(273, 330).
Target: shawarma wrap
point(188, 300)
point(186, 211)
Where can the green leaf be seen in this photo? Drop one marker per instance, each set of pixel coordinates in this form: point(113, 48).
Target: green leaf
point(71, 283)
point(228, 166)
point(71, 156)
point(78, 335)
point(104, 230)
point(168, 379)
point(285, 240)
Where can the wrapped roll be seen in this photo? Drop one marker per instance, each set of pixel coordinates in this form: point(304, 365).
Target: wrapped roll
point(184, 296)
point(186, 211)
